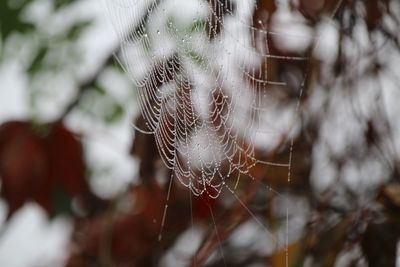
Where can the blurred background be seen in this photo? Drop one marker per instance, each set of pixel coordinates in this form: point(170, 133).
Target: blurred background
point(81, 187)
point(51, 51)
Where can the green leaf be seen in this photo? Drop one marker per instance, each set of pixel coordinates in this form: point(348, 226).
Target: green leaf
point(11, 19)
point(197, 25)
point(116, 114)
point(100, 90)
point(76, 30)
point(61, 202)
point(37, 63)
point(62, 3)
point(197, 58)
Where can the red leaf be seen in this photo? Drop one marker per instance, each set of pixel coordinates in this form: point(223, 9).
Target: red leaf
point(24, 168)
point(202, 206)
point(129, 237)
point(374, 13)
point(35, 163)
point(66, 160)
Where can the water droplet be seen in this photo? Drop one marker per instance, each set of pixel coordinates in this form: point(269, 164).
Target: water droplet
point(158, 32)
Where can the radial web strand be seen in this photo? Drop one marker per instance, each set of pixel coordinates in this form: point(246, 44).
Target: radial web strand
point(209, 88)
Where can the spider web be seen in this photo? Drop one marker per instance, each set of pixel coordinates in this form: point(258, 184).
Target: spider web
point(205, 87)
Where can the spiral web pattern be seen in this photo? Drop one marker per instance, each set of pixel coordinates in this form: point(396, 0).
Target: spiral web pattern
point(203, 84)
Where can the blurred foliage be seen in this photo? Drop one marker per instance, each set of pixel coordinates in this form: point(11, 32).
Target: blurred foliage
point(44, 162)
point(41, 163)
point(11, 19)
